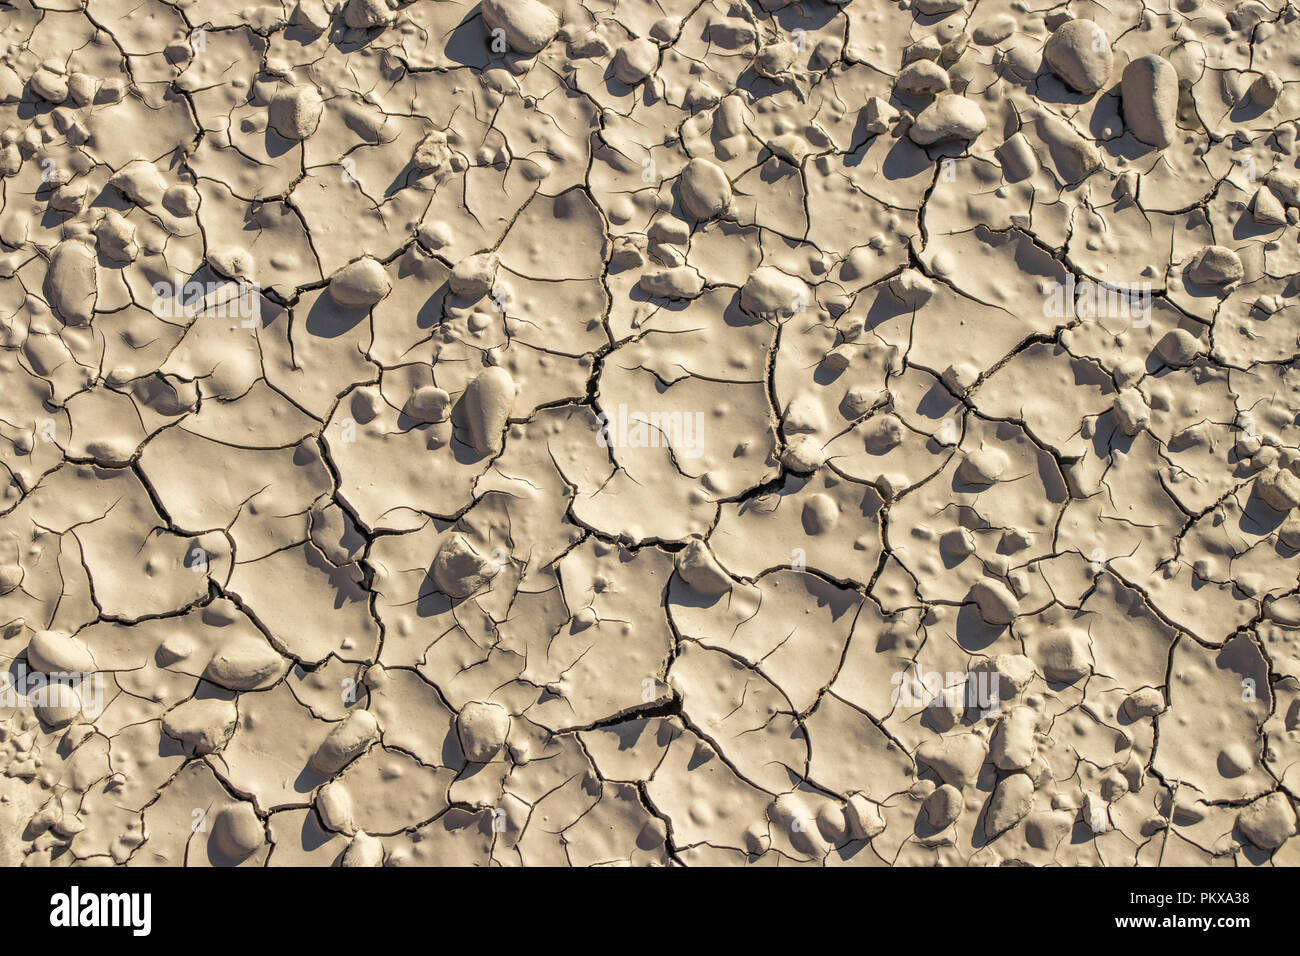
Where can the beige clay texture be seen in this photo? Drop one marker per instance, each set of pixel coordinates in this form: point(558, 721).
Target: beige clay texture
point(578, 432)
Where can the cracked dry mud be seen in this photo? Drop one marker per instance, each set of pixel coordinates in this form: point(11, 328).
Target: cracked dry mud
point(575, 432)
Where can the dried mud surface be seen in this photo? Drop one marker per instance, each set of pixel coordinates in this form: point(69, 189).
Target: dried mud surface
point(540, 432)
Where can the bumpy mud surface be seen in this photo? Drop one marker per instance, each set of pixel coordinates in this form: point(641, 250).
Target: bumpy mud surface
point(544, 432)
